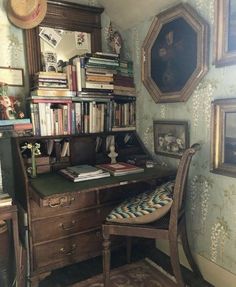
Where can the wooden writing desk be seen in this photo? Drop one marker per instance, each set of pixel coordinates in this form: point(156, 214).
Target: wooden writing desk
point(66, 217)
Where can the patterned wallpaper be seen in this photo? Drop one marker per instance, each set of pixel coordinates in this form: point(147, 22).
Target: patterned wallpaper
point(211, 200)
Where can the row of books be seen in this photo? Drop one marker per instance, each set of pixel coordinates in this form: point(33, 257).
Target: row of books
point(51, 117)
point(87, 115)
point(87, 172)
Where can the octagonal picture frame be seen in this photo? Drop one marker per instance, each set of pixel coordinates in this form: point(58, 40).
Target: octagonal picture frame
point(175, 54)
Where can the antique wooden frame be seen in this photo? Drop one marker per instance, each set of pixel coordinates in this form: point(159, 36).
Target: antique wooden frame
point(12, 76)
point(224, 55)
point(171, 138)
point(156, 56)
point(223, 157)
point(68, 16)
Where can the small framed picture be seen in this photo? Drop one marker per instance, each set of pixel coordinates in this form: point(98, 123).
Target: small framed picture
point(50, 36)
point(171, 138)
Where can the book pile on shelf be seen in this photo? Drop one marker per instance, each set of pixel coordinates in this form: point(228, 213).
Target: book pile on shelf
point(16, 127)
point(95, 72)
point(83, 172)
point(51, 84)
point(120, 168)
point(124, 80)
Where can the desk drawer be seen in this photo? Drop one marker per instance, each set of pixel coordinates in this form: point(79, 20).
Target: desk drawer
point(68, 250)
point(61, 204)
point(68, 224)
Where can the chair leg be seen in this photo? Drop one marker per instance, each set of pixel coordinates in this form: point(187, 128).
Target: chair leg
point(175, 262)
point(128, 248)
point(106, 259)
point(187, 251)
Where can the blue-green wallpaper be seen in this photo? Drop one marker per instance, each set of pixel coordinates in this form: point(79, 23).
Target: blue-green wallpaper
point(211, 200)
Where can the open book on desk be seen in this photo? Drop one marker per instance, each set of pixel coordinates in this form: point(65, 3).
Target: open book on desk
point(120, 168)
point(83, 172)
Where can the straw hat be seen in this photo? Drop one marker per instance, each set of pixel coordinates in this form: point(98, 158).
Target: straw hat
point(26, 14)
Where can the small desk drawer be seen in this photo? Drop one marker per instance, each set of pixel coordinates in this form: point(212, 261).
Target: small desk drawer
point(68, 224)
point(68, 250)
point(61, 204)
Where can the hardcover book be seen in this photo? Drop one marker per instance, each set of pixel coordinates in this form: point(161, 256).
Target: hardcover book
point(84, 170)
point(120, 168)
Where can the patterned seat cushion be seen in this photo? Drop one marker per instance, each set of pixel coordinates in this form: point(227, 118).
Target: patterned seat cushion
point(145, 207)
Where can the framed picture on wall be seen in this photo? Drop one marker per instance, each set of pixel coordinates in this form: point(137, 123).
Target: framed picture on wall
point(175, 54)
point(171, 138)
point(225, 35)
point(223, 138)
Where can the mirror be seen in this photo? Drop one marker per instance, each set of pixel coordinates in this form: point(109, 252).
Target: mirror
point(63, 18)
point(223, 140)
point(58, 46)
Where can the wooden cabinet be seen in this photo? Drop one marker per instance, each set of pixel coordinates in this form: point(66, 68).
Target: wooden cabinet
point(64, 218)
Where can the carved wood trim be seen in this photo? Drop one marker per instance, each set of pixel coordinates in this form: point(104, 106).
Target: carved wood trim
point(68, 16)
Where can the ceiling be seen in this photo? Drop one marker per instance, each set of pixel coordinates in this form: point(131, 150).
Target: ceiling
point(127, 13)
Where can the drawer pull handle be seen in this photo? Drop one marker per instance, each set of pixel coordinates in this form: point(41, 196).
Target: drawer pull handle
point(60, 202)
point(73, 222)
point(69, 252)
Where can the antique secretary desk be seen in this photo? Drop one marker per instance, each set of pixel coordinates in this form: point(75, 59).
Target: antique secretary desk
point(64, 218)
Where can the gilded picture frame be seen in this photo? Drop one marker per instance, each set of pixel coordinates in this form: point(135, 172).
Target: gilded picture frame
point(175, 54)
point(171, 138)
point(225, 37)
point(223, 139)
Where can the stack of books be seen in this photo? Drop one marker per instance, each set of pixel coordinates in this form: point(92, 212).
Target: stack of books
point(120, 168)
point(83, 172)
point(16, 127)
point(5, 199)
point(51, 84)
point(95, 72)
point(124, 80)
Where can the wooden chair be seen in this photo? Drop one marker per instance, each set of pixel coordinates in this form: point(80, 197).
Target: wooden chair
point(167, 227)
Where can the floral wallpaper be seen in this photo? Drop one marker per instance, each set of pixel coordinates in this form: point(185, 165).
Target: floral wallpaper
point(211, 199)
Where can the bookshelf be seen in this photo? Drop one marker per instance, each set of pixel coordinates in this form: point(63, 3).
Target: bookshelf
point(99, 97)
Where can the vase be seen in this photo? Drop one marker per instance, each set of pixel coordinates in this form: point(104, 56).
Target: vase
point(33, 164)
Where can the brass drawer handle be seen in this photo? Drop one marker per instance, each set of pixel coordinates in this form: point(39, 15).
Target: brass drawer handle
point(69, 252)
point(61, 202)
point(71, 226)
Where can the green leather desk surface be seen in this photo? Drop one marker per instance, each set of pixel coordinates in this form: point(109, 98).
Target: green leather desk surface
point(50, 184)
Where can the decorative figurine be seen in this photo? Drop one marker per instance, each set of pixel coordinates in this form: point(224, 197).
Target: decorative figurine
point(113, 155)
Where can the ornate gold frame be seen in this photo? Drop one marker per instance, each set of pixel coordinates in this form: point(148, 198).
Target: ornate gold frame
point(220, 108)
point(223, 56)
point(199, 29)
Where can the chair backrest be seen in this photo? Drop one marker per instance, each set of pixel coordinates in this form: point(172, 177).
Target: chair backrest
point(178, 207)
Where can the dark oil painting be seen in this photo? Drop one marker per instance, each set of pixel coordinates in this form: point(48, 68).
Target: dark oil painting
point(174, 55)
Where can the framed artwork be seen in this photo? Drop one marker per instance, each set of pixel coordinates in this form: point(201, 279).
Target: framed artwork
point(12, 76)
point(223, 138)
point(225, 36)
point(175, 54)
point(171, 138)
